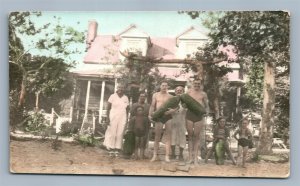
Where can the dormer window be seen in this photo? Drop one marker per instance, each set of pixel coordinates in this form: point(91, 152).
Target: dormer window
point(134, 40)
point(188, 43)
point(191, 47)
point(133, 45)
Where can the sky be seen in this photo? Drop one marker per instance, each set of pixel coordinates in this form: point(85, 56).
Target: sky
point(154, 23)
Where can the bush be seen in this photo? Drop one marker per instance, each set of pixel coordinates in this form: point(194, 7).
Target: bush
point(86, 140)
point(35, 122)
point(67, 129)
point(255, 157)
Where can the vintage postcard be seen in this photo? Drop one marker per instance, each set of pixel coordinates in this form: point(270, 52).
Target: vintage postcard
point(174, 93)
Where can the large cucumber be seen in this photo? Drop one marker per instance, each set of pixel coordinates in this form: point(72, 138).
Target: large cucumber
point(220, 152)
point(193, 105)
point(170, 103)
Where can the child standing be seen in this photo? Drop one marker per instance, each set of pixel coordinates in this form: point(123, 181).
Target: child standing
point(221, 132)
point(139, 124)
point(244, 140)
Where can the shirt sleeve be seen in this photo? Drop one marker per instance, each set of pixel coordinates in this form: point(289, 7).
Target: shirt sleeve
point(111, 98)
point(127, 101)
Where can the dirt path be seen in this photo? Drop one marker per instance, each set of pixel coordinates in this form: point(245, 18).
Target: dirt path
point(39, 157)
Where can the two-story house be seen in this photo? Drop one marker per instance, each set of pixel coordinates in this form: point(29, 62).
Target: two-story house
point(97, 79)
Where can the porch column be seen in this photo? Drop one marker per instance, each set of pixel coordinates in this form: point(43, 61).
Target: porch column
point(238, 95)
point(71, 115)
point(101, 101)
point(86, 104)
point(116, 84)
point(73, 101)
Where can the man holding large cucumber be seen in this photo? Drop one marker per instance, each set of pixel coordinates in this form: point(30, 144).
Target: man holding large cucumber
point(195, 121)
point(158, 100)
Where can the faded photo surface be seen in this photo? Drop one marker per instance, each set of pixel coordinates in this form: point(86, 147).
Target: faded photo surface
point(177, 93)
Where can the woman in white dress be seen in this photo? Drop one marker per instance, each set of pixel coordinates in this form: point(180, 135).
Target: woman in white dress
point(118, 107)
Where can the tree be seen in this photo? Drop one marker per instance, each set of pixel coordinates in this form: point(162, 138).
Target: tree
point(140, 74)
point(51, 37)
point(262, 37)
point(47, 76)
point(212, 74)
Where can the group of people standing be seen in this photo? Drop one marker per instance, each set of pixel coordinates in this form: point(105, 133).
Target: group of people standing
point(175, 122)
point(179, 119)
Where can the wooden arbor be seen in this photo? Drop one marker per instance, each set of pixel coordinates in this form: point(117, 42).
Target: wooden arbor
point(196, 63)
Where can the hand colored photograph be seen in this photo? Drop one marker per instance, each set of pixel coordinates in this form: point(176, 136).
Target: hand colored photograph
point(150, 93)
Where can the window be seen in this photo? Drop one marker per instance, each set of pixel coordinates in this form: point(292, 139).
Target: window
point(134, 45)
point(191, 48)
point(188, 48)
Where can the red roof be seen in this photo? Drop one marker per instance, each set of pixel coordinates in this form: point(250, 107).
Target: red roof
point(105, 49)
point(162, 48)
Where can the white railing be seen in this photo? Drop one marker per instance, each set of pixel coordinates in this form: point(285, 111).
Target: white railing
point(59, 120)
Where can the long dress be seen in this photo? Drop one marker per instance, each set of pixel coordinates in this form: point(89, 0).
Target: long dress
point(117, 116)
point(178, 127)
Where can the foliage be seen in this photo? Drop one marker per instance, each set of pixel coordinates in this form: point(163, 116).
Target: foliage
point(52, 38)
point(215, 83)
point(255, 157)
point(209, 19)
point(46, 75)
point(41, 74)
point(214, 74)
point(35, 122)
point(261, 38)
point(86, 139)
point(67, 128)
point(282, 107)
point(140, 75)
point(254, 84)
point(20, 22)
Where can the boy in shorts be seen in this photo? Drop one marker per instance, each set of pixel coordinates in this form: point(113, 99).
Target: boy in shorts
point(139, 124)
point(244, 140)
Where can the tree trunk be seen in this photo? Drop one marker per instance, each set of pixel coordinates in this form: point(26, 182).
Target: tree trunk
point(22, 92)
point(37, 96)
point(200, 72)
point(266, 131)
point(216, 107)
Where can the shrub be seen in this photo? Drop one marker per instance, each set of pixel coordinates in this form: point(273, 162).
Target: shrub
point(86, 138)
point(67, 128)
point(35, 122)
